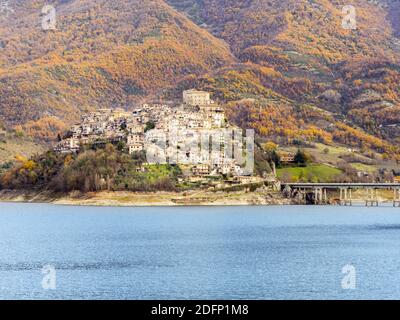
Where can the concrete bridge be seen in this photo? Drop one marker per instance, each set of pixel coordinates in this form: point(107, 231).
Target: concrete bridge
point(320, 195)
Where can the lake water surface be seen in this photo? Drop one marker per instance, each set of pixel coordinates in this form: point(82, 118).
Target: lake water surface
point(288, 252)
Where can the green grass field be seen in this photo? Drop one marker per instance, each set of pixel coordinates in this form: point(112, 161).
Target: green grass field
point(311, 173)
point(332, 156)
point(160, 171)
point(364, 167)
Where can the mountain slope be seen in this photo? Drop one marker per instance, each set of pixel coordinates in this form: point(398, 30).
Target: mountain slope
point(352, 73)
point(270, 60)
point(307, 26)
point(102, 54)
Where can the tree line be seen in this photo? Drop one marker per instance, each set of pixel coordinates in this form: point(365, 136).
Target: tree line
point(106, 168)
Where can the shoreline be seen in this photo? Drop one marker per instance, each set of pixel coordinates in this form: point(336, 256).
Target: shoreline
point(161, 199)
point(138, 199)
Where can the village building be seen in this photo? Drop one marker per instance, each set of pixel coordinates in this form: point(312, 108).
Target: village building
point(287, 157)
point(135, 147)
point(195, 134)
point(67, 146)
point(196, 98)
point(201, 170)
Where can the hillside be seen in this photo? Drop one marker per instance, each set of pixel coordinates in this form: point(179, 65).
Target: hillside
point(312, 27)
point(13, 145)
point(101, 54)
point(296, 54)
point(286, 68)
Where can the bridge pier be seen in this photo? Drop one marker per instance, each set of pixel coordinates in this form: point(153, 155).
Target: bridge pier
point(320, 196)
point(372, 198)
point(317, 195)
point(396, 198)
point(300, 195)
point(303, 194)
point(307, 191)
point(346, 197)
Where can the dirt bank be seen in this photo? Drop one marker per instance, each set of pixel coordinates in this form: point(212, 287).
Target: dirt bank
point(122, 198)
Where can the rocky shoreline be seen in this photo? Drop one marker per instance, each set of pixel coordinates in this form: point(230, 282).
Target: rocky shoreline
point(163, 199)
point(133, 199)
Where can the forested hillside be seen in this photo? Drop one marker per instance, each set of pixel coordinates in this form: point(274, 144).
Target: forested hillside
point(285, 67)
point(296, 53)
point(102, 54)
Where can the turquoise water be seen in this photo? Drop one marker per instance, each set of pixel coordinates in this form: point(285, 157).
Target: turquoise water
point(199, 253)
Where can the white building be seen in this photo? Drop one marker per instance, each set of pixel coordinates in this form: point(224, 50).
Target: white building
point(67, 146)
point(196, 98)
point(135, 147)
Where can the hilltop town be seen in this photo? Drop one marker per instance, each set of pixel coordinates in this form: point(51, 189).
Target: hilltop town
point(188, 153)
point(168, 134)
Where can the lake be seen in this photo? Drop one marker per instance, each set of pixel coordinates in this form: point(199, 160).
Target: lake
point(277, 252)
